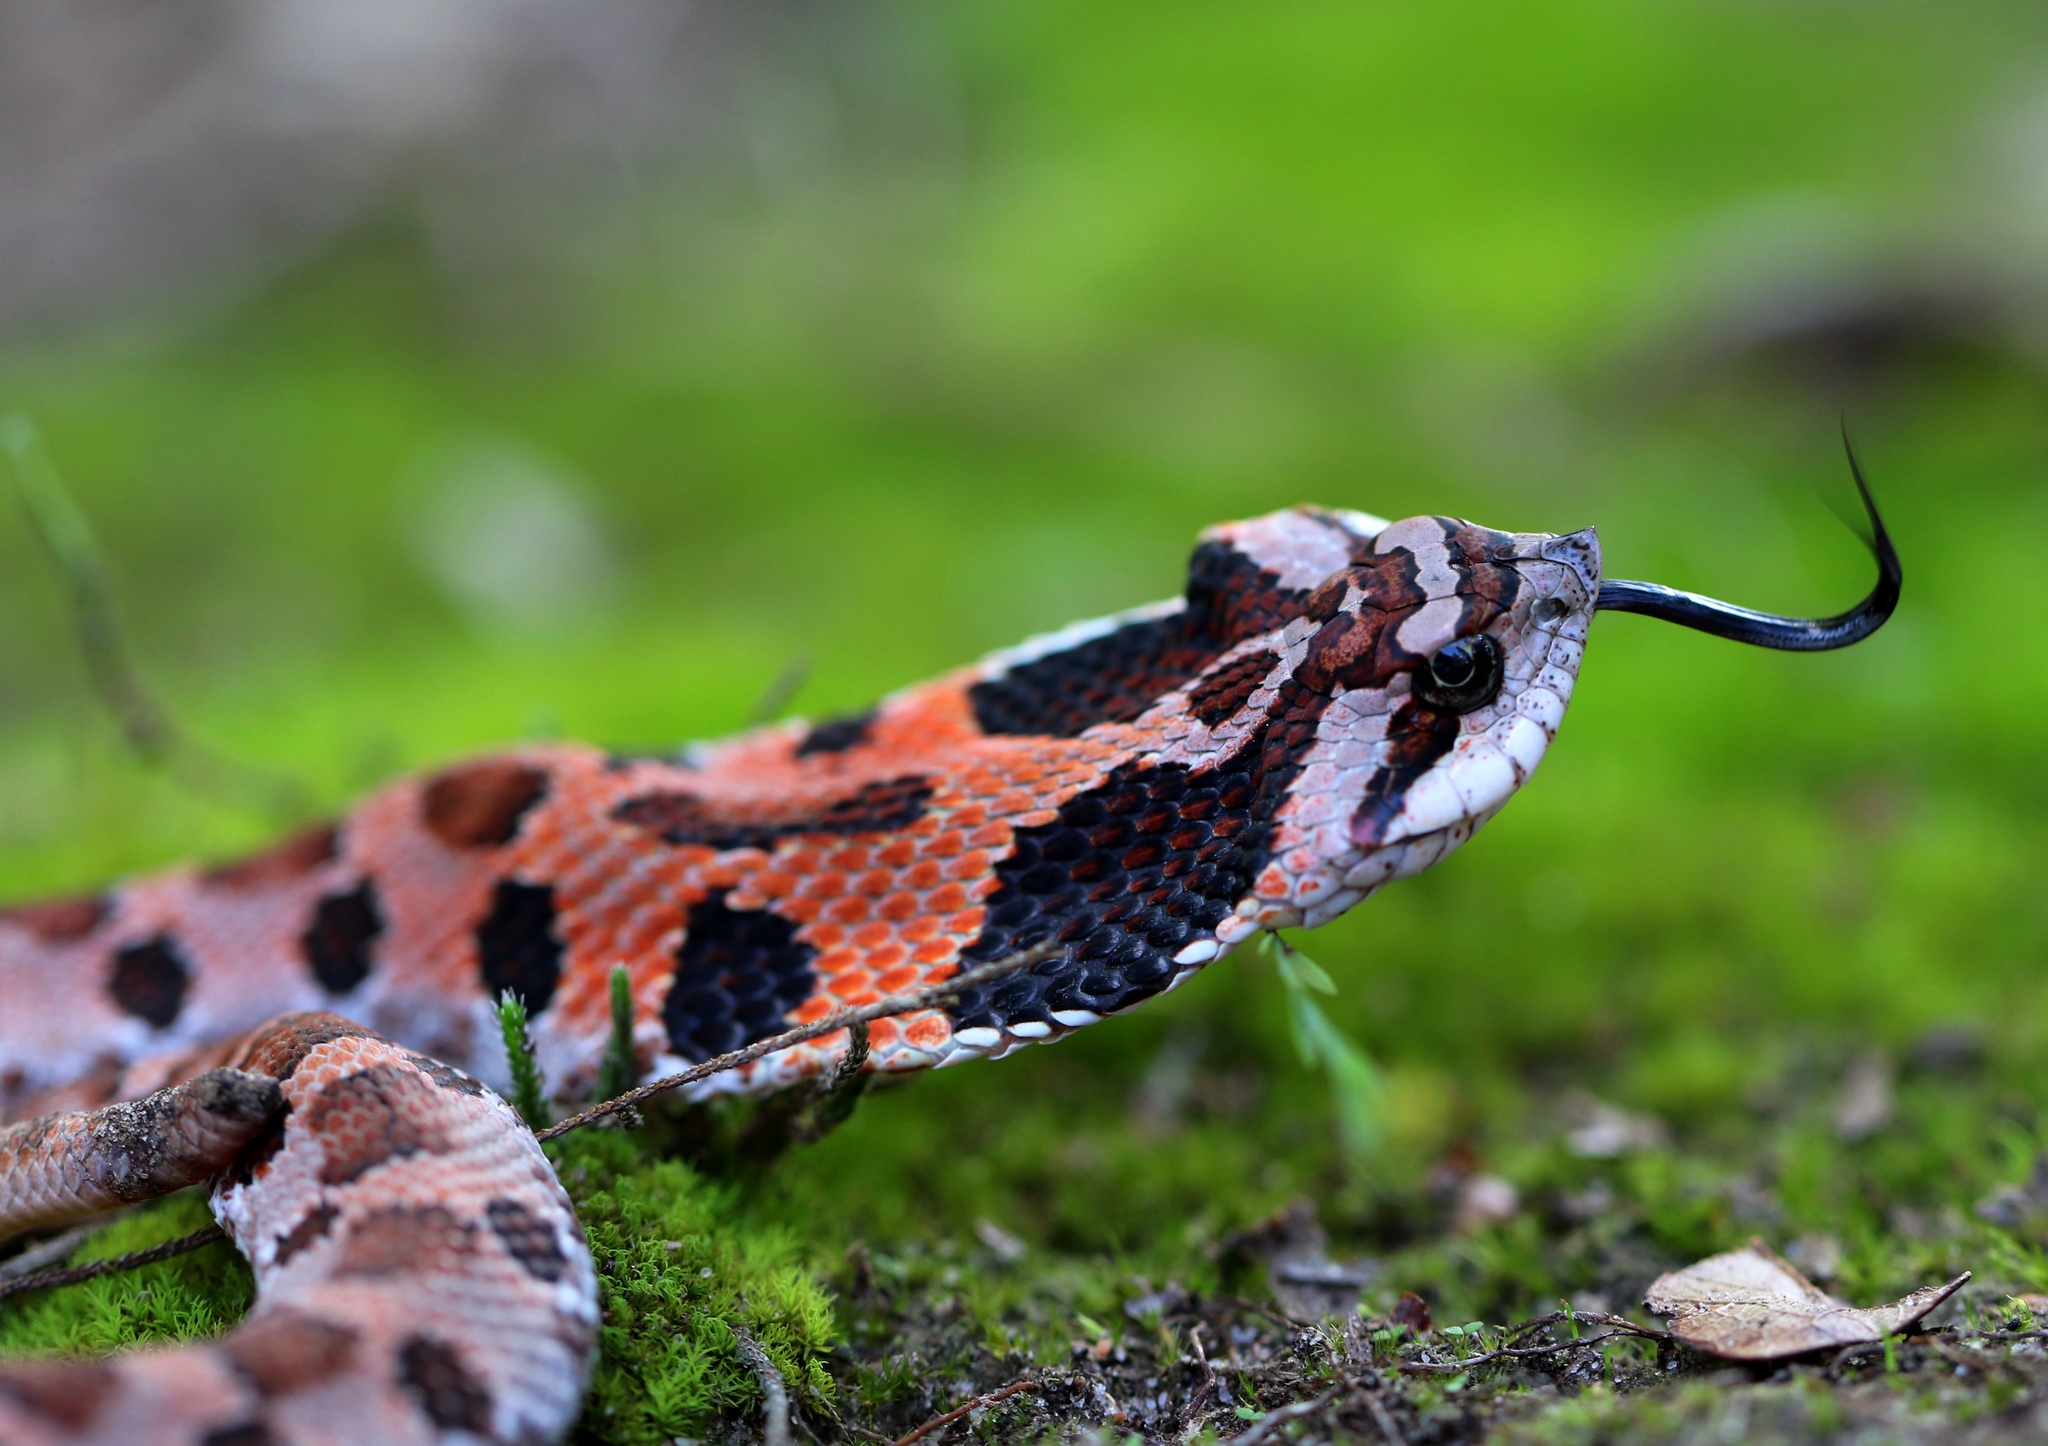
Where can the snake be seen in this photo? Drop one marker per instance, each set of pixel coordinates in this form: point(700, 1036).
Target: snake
point(1334, 702)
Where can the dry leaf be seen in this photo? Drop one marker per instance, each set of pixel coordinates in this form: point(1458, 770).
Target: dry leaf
point(1752, 1305)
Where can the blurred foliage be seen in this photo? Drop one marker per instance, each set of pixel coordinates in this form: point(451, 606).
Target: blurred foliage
point(962, 357)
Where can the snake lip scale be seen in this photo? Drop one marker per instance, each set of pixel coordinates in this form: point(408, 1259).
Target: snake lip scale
point(1334, 702)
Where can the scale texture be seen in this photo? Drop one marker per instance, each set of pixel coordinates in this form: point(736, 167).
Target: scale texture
point(1335, 702)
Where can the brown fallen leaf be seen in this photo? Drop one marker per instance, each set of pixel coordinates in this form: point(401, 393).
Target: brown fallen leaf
point(1753, 1305)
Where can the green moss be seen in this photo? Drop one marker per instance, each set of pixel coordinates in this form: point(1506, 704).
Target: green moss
point(678, 1268)
point(194, 1295)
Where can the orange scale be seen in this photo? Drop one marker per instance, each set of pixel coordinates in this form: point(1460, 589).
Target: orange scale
point(883, 1031)
point(928, 1031)
point(991, 835)
point(935, 951)
point(876, 882)
point(800, 911)
point(922, 874)
point(919, 929)
point(726, 870)
point(981, 888)
point(850, 910)
point(897, 853)
point(836, 961)
point(890, 956)
point(1015, 801)
point(813, 1009)
point(967, 922)
point(946, 899)
point(853, 988)
point(802, 860)
point(945, 845)
point(826, 935)
point(852, 858)
point(972, 815)
point(861, 1001)
point(1035, 818)
point(898, 907)
point(824, 885)
point(872, 935)
point(895, 981)
point(773, 883)
point(971, 864)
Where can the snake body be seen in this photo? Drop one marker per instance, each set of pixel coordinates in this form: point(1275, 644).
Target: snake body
point(1334, 702)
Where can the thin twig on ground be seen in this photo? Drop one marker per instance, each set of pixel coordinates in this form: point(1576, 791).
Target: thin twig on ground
point(1273, 1420)
point(1616, 1326)
point(46, 1253)
point(92, 1270)
point(940, 1423)
point(926, 998)
point(1384, 1419)
point(148, 728)
point(775, 1406)
point(781, 689)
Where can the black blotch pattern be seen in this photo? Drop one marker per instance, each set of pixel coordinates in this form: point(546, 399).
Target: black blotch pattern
point(1114, 678)
point(314, 1227)
point(528, 1239)
point(445, 1076)
point(481, 804)
point(453, 1399)
point(516, 947)
point(1133, 870)
point(836, 735)
point(684, 818)
point(1416, 738)
point(149, 980)
point(380, 1125)
point(738, 973)
point(337, 943)
point(1230, 687)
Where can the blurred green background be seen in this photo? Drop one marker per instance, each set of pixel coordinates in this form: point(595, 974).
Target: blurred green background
point(920, 327)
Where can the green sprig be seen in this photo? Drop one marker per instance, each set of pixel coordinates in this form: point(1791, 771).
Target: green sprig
point(526, 1081)
point(1355, 1086)
point(616, 1074)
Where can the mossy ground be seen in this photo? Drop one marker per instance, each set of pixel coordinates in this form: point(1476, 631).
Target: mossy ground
point(1050, 289)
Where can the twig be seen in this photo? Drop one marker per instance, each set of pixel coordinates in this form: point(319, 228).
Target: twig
point(784, 686)
point(1384, 1419)
point(939, 1423)
point(92, 1270)
point(49, 1252)
point(148, 728)
point(1274, 1420)
point(775, 1406)
point(910, 1003)
point(1616, 1326)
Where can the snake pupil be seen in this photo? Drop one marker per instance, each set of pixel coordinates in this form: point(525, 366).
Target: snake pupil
point(1462, 675)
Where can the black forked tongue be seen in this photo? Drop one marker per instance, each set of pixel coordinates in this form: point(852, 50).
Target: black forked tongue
point(1767, 630)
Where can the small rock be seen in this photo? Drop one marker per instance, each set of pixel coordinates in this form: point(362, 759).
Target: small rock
point(1865, 1106)
point(1819, 1256)
point(1004, 1246)
point(1484, 1200)
point(1607, 1132)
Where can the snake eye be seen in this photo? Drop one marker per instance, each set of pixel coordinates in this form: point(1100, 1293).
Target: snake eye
point(1462, 675)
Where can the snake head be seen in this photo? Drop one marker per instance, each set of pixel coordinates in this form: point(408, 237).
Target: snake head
point(1422, 673)
point(1414, 676)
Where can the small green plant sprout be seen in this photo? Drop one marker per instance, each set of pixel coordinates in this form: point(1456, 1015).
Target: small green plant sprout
point(1355, 1085)
point(526, 1084)
point(616, 1074)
